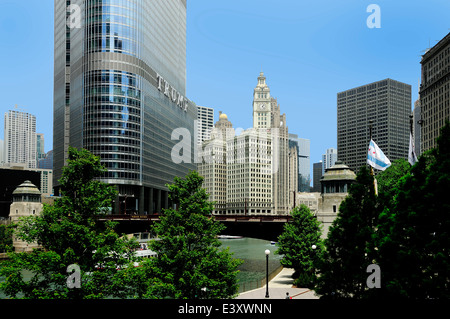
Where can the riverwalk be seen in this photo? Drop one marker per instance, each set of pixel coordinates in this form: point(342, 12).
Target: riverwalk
point(278, 287)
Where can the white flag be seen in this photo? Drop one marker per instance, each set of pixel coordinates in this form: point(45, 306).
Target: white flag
point(412, 158)
point(376, 157)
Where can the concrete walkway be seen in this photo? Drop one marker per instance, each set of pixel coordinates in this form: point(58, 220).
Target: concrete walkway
point(278, 287)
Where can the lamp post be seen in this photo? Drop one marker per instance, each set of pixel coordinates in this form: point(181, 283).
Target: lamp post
point(267, 272)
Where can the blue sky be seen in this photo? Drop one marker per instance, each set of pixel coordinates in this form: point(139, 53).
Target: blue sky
point(308, 50)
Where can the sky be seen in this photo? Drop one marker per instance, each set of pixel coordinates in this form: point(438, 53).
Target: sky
point(308, 50)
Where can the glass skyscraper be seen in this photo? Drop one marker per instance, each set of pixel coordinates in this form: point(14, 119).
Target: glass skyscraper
point(119, 91)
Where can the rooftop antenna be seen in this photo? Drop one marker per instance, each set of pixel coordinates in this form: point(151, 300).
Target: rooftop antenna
point(19, 107)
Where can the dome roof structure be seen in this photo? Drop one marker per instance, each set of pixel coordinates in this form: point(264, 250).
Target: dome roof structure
point(26, 188)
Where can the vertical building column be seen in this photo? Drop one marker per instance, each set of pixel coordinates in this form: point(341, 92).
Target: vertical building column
point(141, 200)
point(166, 199)
point(117, 202)
point(158, 201)
point(150, 201)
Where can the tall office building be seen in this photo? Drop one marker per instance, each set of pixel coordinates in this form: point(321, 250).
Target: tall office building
point(119, 91)
point(317, 174)
point(434, 92)
point(304, 172)
point(205, 123)
point(40, 149)
point(20, 138)
point(388, 104)
point(328, 159)
point(261, 163)
point(213, 165)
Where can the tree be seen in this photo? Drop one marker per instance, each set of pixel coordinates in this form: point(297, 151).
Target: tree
point(6, 241)
point(348, 249)
point(389, 179)
point(413, 237)
point(189, 253)
point(70, 234)
point(296, 245)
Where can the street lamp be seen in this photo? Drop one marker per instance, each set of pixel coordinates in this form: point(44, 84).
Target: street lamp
point(267, 272)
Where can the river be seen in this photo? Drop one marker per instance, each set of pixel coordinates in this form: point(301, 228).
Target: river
point(252, 251)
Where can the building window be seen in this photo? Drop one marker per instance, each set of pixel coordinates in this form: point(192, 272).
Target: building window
point(334, 208)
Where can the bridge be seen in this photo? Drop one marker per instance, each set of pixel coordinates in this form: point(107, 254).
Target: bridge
point(267, 227)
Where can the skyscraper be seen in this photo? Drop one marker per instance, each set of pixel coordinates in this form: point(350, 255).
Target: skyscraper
point(40, 149)
point(119, 91)
point(434, 92)
point(260, 164)
point(205, 124)
point(304, 171)
point(328, 159)
point(317, 174)
point(388, 104)
point(20, 138)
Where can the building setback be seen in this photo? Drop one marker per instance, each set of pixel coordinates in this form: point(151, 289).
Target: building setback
point(388, 104)
point(434, 92)
point(119, 91)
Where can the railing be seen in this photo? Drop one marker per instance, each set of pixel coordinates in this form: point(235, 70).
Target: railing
point(255, 284)
point(222, 218)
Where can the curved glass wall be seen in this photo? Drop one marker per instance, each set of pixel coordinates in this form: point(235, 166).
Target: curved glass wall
point(112, 121)
point(112, 98)
point(114, 104)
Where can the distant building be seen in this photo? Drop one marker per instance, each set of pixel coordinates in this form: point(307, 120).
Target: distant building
point(46, 161)
point(317, 174)
point(20, 138)
point(434, 92)
point(257, 169)
point(213, 167)
point(328, 159)
point(40, 147)
point(417, 120)
point(304, 171)
point(205, 118)
point(388, 104)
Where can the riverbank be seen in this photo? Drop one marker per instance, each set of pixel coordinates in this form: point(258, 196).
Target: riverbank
point(281, 284)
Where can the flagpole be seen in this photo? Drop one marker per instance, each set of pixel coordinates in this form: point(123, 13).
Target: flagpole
point(411, 124)
point(370, 138)
point(375, 186)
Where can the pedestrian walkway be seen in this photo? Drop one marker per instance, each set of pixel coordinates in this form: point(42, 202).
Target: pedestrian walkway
point(278, 287)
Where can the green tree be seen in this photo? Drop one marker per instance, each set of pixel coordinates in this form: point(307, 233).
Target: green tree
point(413, 237)
point(389, 179)
point(296, 245)
point(348, 248)
point(189, 254)
point(6, 241)
point(70, 233)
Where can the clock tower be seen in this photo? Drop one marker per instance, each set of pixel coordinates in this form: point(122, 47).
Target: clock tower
point(261, 104)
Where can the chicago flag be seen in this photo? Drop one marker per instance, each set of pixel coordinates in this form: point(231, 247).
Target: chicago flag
point(412, 158)
point(376, 157)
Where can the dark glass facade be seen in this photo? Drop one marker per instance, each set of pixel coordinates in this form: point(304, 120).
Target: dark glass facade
point(119, 92)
